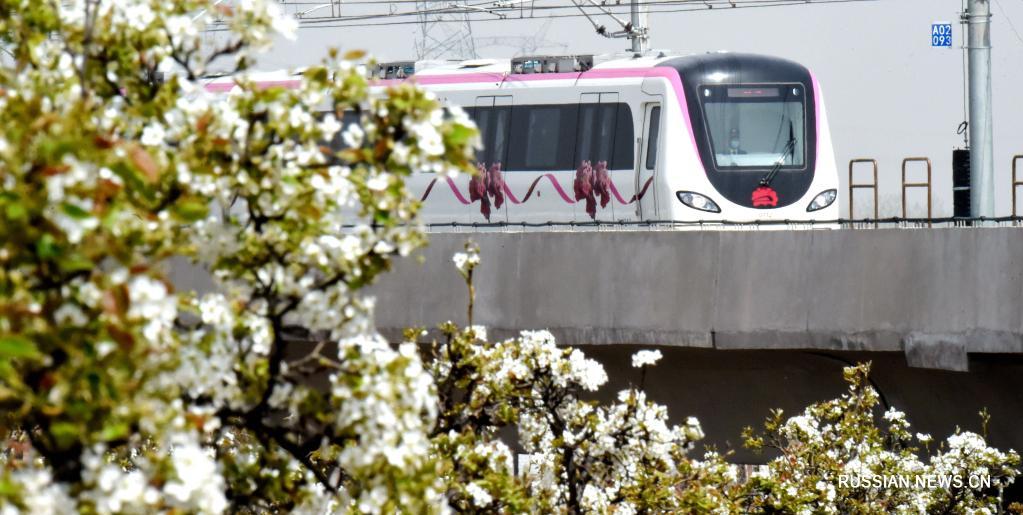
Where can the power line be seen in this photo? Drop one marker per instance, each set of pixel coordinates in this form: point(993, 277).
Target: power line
point(690, 6)
point(342, 23)
point(1011, 25)
point(696, 5)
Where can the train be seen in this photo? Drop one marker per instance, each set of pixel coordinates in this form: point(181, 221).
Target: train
point(707, 138)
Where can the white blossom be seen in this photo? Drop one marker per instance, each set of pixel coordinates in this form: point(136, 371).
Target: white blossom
point(646, 357)
point(282, 23)
point(198, 485)
point(41, 494)
point(589, 373)
point(894, 415)
point(465, 261)
point(181, 27)
point(153, 135)
point(353, 136)
point(378, 182)
point(153, 306)
point(118, 491)
point(479, 496)
point(214, 310)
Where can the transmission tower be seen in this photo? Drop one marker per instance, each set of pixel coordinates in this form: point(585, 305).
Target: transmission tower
point(525, 45)
point(445, 31)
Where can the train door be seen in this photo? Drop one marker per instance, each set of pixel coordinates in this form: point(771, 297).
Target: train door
point(646, 165)
point(606, 143)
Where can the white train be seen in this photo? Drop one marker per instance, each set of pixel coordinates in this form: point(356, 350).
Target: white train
point(712, 137)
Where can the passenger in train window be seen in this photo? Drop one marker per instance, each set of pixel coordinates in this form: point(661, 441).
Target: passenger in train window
point(734, 142)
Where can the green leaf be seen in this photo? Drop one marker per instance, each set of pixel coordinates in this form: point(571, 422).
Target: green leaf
point(354, 55)
point(15, 211)
point(74, 211)
point(75, 263)
point(46, 247)
point(65, 433)
point(132, 179)
point(460, 134)
point(54, 150)
point(18, 347)
point(191, 210)
point(114, 431)
point(8, 488)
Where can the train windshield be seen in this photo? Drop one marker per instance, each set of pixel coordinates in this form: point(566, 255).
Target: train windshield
point(753, 126)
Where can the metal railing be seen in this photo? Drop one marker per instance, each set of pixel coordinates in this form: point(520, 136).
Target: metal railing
point(854, 186)
point(893, 222)
point(1015, 182)
point(908, 185)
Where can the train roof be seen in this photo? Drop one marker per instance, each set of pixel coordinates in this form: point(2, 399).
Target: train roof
point(703, 64)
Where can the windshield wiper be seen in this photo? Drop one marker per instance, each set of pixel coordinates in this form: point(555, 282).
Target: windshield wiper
point(790, 147)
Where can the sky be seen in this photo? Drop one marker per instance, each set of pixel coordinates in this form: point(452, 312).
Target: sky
point(889, 94)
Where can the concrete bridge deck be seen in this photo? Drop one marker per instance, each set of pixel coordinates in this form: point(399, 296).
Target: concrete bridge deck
point(750, 321)
point(936, 295)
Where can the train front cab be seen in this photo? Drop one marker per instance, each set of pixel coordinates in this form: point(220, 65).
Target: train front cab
point(755, 144)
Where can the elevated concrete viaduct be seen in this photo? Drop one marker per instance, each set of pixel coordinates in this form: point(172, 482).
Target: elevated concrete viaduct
point(753, 320)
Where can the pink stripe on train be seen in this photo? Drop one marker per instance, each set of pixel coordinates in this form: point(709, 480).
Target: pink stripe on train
point(224, 87)
point(817, 103)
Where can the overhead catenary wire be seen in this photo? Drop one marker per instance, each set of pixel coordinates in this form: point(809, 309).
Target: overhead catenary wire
point(391, 19)
point(705, 4)
point(1009, 20)
point(701, 5)
point(689, 6)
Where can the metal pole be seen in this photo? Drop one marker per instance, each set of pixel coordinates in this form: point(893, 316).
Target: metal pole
point(638, 35)
point(982, 194)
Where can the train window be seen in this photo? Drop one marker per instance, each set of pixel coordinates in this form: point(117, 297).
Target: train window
point(623, 146)
point(502, 118)
point(755, 126)
point(493, 126)
point(596, 132)
point(651, 139)
point(605, 134)
point(542, 138)
point(482, 116)
point(555, 137)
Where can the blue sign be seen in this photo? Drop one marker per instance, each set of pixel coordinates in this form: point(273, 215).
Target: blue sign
point(941, 35)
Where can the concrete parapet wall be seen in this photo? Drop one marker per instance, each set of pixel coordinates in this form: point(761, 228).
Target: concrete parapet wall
point(936, 295)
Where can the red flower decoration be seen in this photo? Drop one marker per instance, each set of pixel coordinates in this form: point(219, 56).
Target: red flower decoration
point(591, 183)
point(602, 183)
point(495, 185)
point(486, 184)
point(583, 187)
point(478, 190)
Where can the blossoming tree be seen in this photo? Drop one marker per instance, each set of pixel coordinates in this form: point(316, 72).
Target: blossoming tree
point(123, 392)
point(119, 392)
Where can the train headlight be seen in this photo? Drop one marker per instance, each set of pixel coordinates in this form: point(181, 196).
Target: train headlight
point(697, 201)
point(823, 200)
